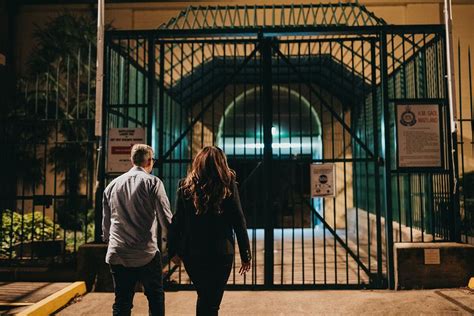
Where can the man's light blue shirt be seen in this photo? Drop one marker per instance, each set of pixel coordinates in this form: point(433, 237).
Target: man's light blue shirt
point(133, 203)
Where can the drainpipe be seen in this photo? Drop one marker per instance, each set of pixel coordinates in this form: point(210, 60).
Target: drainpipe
point(99, 67)
point(99, 129)
point(455, 219)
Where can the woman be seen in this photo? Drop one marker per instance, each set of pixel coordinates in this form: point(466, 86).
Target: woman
point(201, 234)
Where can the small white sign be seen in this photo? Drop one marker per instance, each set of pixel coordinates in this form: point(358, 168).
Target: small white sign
point(323, 180)
point(418, 135)
point(432, 256)
point(121, 141)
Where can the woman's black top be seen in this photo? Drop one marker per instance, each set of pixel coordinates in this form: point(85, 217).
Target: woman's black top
point(210, 234)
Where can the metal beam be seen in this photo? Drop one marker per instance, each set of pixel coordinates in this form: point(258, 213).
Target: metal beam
point(283, 31)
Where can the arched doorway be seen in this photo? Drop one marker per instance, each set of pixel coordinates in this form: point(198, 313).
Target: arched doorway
point(296, 135)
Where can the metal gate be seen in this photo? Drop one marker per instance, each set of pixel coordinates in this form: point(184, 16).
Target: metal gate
point(278, 100)
point(48, 143)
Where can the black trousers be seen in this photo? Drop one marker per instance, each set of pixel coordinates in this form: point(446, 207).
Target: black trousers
point(125, 279)
point(209, 276)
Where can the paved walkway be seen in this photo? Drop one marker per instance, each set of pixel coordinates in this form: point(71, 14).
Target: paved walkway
point(364, 302)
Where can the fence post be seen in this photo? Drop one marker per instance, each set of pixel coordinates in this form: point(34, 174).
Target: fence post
point(387, 160)
point(378, 206)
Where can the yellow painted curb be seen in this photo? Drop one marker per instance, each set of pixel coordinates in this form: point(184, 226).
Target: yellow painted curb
point(55, 301)
point(471, 284)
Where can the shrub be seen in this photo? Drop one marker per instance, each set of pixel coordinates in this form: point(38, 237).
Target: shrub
point(18, 228)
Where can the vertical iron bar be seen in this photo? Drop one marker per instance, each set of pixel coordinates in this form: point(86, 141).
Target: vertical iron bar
point(461, 118)
point(387, 160)
point(376, 162)
point(145, 81)
point(366, 139)
point(245, 169)
point(181, 122)
point(267, 167)
point(234, 103)
point(394, 80)
point(282, 261)
point(78, 83)
point(422, 202)
point(323, 156)
point(333, 155)
point(355, 154)
point(45, 162)
point(313, 216)
point(344, 155)
point(469, 220)
point(470, 94)
point(290, 129)
point(300, 114)
point(202, 99)
point(213, 110)
point(170, 117)
point(256, 140)
point(409, 176)
point(152, 102)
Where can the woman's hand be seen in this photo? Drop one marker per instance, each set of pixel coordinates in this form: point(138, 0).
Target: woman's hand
point(245, 267)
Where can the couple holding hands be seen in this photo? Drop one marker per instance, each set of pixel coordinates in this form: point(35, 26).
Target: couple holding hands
point(200, 233)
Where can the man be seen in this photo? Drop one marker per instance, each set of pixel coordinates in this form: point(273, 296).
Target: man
point(132, 205)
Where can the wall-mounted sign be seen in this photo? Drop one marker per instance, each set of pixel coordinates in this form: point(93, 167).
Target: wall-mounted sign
point(120, 144)
point(419, 136)
point(432, 256)
point(323, 180)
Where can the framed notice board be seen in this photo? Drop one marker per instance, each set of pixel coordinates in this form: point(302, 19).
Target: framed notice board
point(419, 136)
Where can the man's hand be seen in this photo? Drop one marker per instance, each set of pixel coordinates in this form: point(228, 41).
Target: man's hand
point(176, 260)
point(244, 268)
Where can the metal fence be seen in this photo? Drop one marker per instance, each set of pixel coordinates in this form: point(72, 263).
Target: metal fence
point(308, 96)
point(465, 143)
point(421, 201)
point(277, 101)
point(49, 150)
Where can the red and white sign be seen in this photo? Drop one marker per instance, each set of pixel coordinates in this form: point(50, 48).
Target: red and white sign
point(121, 141)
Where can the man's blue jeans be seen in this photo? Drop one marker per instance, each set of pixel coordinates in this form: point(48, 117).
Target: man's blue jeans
point(125, 280)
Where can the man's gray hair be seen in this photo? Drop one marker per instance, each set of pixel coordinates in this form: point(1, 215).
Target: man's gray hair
point(140, 154)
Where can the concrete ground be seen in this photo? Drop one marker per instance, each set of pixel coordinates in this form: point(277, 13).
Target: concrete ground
point(16, 296)
point(355, 302)
point(303, 256)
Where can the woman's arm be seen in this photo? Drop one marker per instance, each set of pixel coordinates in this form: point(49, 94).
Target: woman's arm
point(240, 226)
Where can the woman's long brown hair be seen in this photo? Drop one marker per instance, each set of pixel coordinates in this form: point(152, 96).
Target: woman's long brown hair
point(209, 181)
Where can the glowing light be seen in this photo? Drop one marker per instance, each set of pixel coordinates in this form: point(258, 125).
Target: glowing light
point(283, 146)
